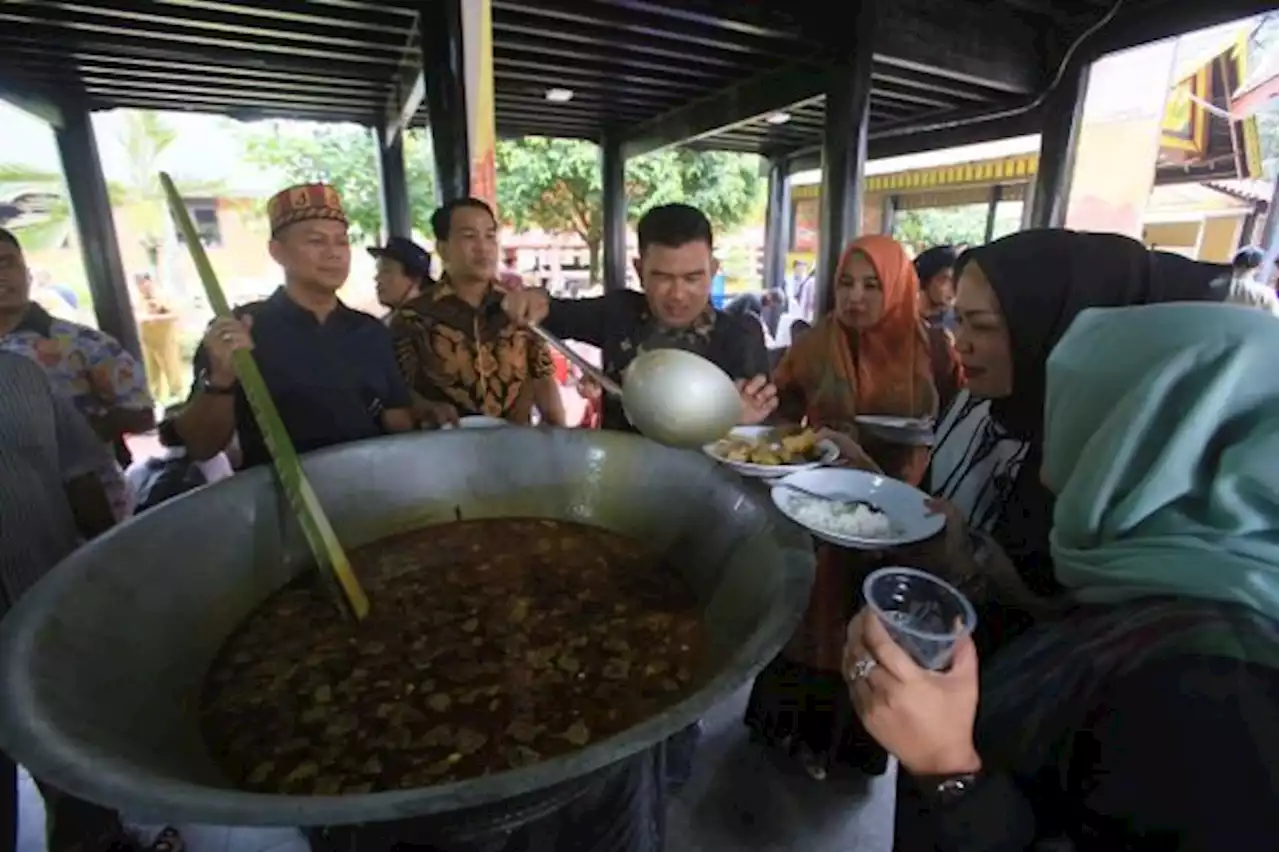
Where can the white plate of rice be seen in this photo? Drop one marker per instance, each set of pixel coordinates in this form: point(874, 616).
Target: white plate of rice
point(887, 513)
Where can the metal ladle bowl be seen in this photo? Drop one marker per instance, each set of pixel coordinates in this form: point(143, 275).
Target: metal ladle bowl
point(679, 398)
point(672, 396)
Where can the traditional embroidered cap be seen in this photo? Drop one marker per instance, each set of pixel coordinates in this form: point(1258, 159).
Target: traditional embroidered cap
point(302, 203)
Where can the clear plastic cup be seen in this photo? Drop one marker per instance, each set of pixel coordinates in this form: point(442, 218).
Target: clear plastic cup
point(924, 615)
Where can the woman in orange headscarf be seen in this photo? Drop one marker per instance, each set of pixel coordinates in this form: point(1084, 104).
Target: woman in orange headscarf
point(870, 355)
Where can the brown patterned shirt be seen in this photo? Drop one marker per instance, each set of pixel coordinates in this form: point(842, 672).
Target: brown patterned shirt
point(475, 359)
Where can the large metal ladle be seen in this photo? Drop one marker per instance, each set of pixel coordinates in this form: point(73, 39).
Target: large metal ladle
point(672, 396)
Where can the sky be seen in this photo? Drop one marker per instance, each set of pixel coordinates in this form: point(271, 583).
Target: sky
point(206, 148)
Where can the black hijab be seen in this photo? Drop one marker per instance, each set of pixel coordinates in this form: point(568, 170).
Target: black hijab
point(1045, 278)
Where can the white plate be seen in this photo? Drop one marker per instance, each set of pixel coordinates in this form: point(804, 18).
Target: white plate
point(481, 421)
point(904, 505)
point(830, 452)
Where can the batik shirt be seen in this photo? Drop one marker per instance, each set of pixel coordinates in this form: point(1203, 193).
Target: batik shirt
point(89, 368)
point(475, 359)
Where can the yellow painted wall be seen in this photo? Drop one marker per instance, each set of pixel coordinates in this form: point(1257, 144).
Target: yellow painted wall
point(1221, 236)
point(1171, 234)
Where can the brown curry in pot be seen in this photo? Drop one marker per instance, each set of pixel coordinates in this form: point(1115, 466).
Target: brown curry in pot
point(490, 644)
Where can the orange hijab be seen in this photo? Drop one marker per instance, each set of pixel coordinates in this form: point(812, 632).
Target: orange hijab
point(890, 372)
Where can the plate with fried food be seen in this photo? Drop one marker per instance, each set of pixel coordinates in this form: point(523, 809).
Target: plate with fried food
point(767, 452)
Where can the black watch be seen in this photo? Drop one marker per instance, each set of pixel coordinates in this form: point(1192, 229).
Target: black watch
point(207, 386)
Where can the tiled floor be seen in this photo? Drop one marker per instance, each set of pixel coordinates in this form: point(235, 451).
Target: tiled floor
point(737, 799)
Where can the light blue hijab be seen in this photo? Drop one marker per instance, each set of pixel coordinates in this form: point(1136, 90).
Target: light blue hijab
point(1161, 443)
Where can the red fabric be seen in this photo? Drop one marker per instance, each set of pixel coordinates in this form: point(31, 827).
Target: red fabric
point(560, 364)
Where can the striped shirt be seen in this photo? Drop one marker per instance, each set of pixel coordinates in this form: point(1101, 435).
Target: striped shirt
point(44, 443)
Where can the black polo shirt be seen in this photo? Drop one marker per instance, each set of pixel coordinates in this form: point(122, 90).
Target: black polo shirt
point(330, 380)
point(620, 324)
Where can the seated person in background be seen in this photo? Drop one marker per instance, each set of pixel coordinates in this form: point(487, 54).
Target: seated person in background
point(936, 268)
point(767, 305)
point(1142, 715)
point(593, 397)
point(172, 472)
point(457, 350)
point(676, 268)
point(404, 271)
point(330, 370)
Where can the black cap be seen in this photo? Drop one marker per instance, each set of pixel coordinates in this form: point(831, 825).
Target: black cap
point(414, 258)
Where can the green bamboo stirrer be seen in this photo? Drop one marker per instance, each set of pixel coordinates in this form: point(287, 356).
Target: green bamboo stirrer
point(302, 499)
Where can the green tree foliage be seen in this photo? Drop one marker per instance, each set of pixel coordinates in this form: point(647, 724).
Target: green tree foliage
point(345, 156)
point(552, 184)
point(965, 223)
point(555, 185)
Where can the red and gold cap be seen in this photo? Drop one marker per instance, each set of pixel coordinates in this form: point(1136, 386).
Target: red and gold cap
point(302, 203)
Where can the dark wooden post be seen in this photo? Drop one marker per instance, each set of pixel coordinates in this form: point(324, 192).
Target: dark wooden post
point(397, 221)
point(91, 208)
point(613, 200)
point(777, 225)
point(1061, 125)
point(442, 64)
point(844, 151)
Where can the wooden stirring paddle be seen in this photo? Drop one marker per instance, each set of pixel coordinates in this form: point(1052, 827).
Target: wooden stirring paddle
point(319, 533)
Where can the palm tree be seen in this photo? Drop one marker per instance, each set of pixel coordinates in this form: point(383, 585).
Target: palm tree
point(144, 136)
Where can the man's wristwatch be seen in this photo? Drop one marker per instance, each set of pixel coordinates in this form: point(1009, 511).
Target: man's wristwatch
point(944, 789)
point(208, 386)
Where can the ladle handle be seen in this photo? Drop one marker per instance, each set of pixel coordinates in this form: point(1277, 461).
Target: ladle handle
point(607, 384)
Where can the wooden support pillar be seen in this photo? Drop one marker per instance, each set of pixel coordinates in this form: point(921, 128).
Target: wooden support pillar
point(91, 209)
point(844, 151)
point(997, 193)
point(442, 63)
point(613, 200)
point(1062, 113)
point(397, 220)
point(777, 225)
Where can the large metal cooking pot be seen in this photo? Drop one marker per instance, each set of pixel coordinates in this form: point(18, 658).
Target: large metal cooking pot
point(101, 663)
